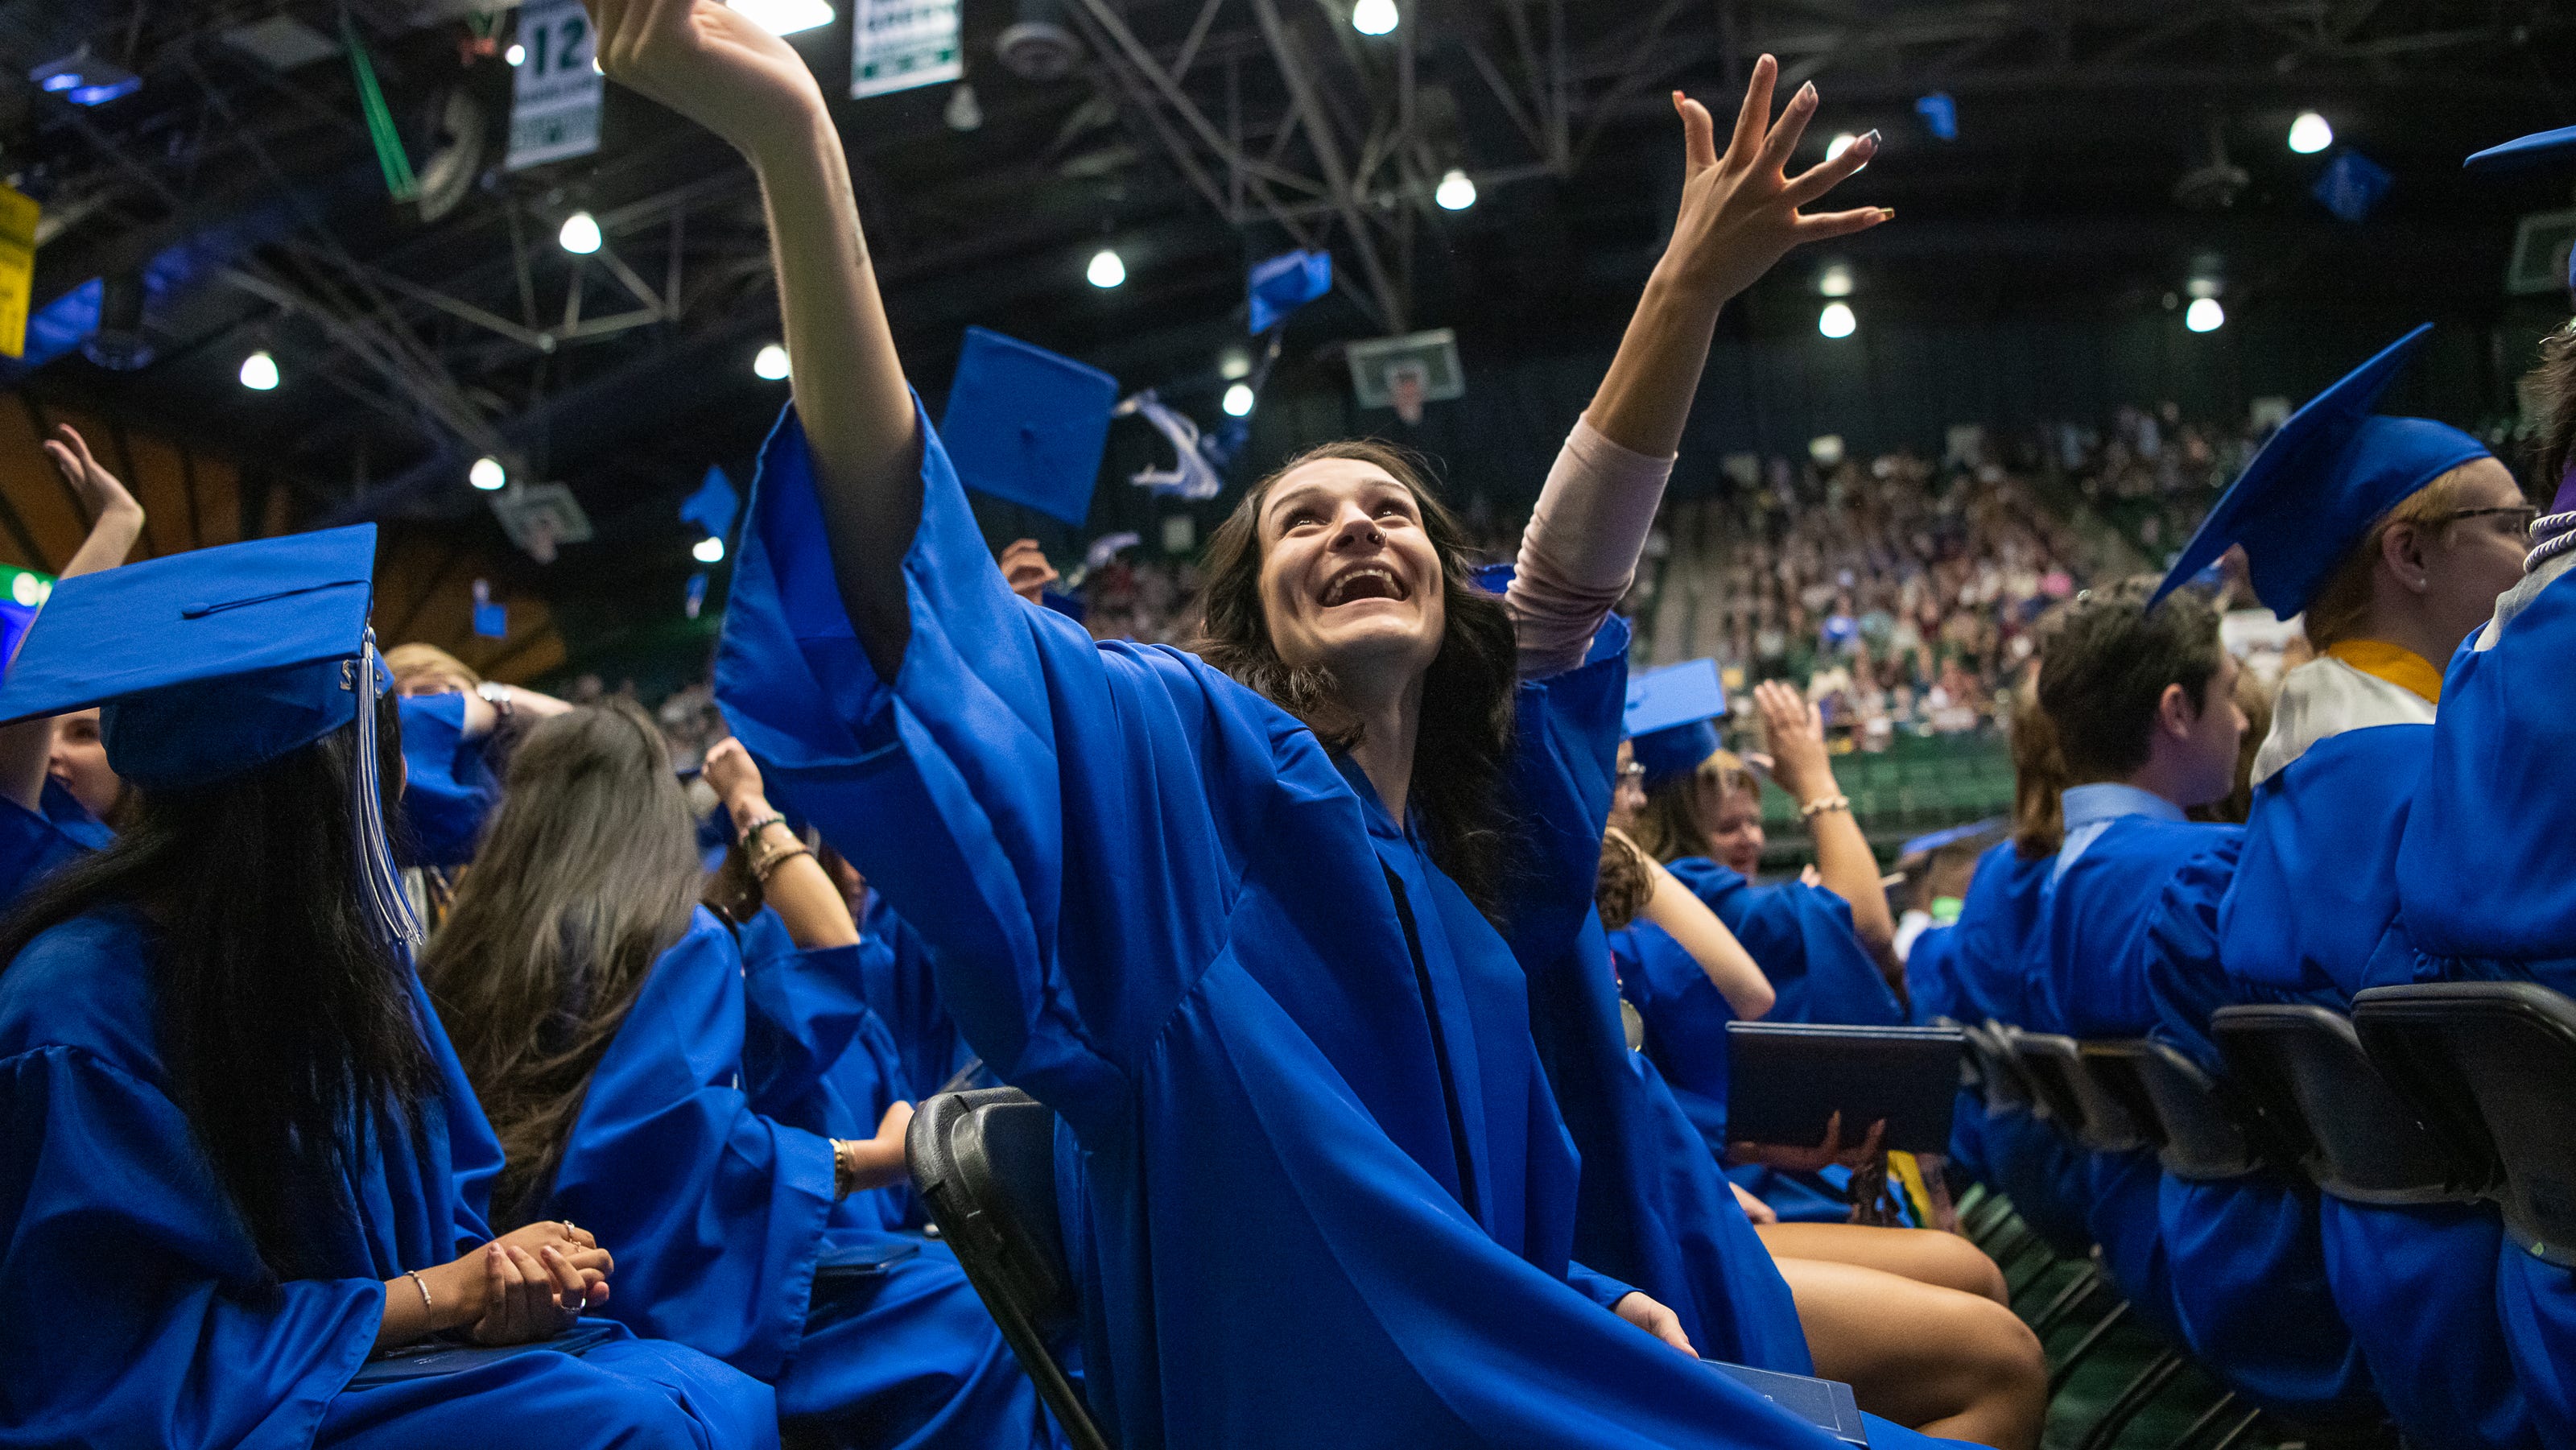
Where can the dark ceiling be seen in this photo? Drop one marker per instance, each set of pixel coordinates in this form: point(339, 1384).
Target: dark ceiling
point(1195, 136)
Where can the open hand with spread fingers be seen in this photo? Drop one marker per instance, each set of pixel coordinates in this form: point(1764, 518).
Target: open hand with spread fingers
point(1740, 211)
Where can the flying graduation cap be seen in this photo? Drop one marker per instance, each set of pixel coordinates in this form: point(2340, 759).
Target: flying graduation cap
point(2524, 152)
point(2326, 476)
point(212, 663)
point(1028, 426)
point(1671, 719)
point(713, 505)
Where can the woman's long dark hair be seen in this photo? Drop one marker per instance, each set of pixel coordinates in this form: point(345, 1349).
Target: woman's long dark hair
point(282, 1017)
point(585, 876)
point(1466, 731)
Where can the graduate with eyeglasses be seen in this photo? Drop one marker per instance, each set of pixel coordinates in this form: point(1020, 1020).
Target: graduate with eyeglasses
point(2391, 537)
point(241, 1159)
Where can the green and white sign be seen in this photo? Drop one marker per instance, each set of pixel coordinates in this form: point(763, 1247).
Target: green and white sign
point(898, 44)
point(554, 97)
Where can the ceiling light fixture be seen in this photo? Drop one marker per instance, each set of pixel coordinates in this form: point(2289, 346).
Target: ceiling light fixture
point(580, 234)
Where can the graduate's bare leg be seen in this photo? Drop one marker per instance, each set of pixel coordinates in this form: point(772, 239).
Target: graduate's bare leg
point(1927, 1256)
point(1936, 1360)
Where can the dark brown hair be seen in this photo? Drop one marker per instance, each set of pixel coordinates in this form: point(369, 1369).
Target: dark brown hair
point(2108, 663)
point(1624, 885)
point(2039, 779)
point(285, 1020)
point(1466, 730)
point(2549, 393)
point(585, 877)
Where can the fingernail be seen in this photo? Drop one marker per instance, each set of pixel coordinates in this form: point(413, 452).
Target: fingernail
point(1807, 93)
point(1871, 140)
point(1887, 213)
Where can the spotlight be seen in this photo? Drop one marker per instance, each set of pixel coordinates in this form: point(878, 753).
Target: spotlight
point(771, 365)
point(1835, 281)
point(2310, 134)
point(964, 111)
point(259, 371)
point(1836, 320)
point(1374, 17)
point(487, 474)
point(1841, 143)
point(516, 55)
point(709, 550)
point(1234, 363)
point(1238, 401)
point(1105, 271)
point(783, 17)
point(580, 234)
point(1456, 192)
point(2204, 315)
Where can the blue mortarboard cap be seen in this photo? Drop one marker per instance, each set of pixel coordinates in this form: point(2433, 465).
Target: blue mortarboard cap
point(1932, 841)
point(1671, 719)
point(2325, 477)
point(211, 663)
point(1026, 425)
point(2522, 151)
point(1277, 286)
point(713, 505)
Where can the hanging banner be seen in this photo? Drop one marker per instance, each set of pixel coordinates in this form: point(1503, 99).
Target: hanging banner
point(898, 44)
point(17, 268)
point(554, 96)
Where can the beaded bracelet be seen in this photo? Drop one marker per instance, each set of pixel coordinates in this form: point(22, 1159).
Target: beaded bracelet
point(752, 831)
point(1822, 804)
point(423, 1286)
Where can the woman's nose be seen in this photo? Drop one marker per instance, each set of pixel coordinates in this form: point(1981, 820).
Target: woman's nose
point(1356, 528)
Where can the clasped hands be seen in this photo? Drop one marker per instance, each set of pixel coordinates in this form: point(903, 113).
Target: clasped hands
point(529, 1284)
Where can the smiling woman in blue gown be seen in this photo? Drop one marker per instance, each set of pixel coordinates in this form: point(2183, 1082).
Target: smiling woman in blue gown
point(722, 1106)
point(1319, 1164)
point(2393, 537)
point(240, 1156)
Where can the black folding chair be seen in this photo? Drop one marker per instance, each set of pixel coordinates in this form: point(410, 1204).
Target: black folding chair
point(984, 1164)
point(2209, 1135)
point(2327, 1105)
point(2084, 1108)
point(2490, 1064)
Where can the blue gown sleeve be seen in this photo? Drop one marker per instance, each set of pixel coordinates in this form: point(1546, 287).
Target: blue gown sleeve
point(99, 1175)
point(2186, 975)
point(448, 787)
point(716, 1214)
point(1063, 821)
point(904, 989)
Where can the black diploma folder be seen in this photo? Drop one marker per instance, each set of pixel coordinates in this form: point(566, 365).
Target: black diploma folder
point(1786, 1079)
point(1825, 1404)
point(431, 1358)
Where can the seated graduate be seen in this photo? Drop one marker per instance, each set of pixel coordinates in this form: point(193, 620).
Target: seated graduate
point(1986, 981)
point(2143, 704)
point(716, 1099)
point(1319, 1163)
point(1914, 1320)
point(1698, 797)
point(2393, 536)
point(1826, 944)
point(220, 1071)
point(2485, 887)
point(56, 791)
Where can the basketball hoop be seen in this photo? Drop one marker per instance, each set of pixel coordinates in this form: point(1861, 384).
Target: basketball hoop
point(1404, 385)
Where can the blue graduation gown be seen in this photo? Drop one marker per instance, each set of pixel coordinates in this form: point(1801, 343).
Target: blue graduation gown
point(448, 787)
point(1802, 938)
point(34, 843)
point(2312, 897)
point(903, 988)
point(2486, 881)
point(703, 1155)
point(2090, 943)
point(1989, 979)
point(1319, 1164)
point(131, 1310)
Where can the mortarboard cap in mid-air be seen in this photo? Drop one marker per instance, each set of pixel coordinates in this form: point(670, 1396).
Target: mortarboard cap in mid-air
point(1026, 425)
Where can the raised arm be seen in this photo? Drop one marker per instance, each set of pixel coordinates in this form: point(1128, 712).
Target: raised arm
point(715, 66)
point(1698, 931)
point(116, 522)
point(793, 883)
point(1739, 215)
point(1795, 731)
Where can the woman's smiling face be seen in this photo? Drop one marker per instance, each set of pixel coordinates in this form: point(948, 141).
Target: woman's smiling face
point(1349, 578)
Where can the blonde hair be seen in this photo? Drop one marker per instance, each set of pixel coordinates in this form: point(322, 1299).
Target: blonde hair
point(2341, 610)
point(1670, 826)
point(411, 663)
